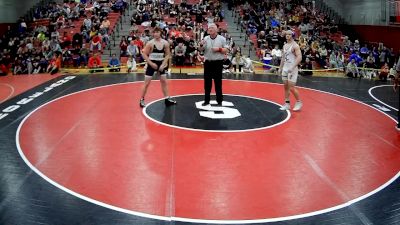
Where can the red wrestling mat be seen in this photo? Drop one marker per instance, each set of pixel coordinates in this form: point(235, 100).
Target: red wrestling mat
point(98, 144)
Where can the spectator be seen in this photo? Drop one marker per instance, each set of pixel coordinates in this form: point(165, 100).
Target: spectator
point(238, 62)
point(105, 25)
point(180, 51)
point(37, 68)
point(364, 51)
point(333, 60)
point(55, 64)
point(226, 64)
point(132, 49)
point(66, 40)
point(131, 64)
point(357, 45)
point(96, 43)
point(303, 28)
point(370, 62)
point(276, 54)
point(123, 45)
point(94, 63)
point(384, 72)
point(55, 35)
point(323, 54)
point(357, 58)
point(382, 56)
point(352, 69)
point(307, 68)
point(114, 64)
point(87, 22)
point(82, 55)
point(19, 67)
point(393, 72)
point(248, 65)
point(77, 40)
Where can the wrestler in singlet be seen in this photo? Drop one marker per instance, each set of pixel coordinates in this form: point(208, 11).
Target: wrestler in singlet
point(290, 60)
point(157, 55)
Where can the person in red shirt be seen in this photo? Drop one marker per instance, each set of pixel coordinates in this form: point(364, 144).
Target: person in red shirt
point(123, 46)
point(66, 40)
point(139, 43)
point(96, 42)
point(94, 63)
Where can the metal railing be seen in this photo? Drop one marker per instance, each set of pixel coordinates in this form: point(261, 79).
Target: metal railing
point(394, 12)
point(328, 11)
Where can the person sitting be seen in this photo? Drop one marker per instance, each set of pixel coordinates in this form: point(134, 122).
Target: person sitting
point(123, 46)
point(384, 72)
point(307, 68)
point(105, 25)
point(180, 51)
point(237, 62)
point(94, 63)
point(352, 69)
point(200, 57)
point(226, 64)
point(131, 64)
point(132, 49)
point(276, 54)
point(333, 60)
point(248, 65)
point(357, 58)
point(114, 64)
point(55, 64)
point(96, 42)
point(393, 72)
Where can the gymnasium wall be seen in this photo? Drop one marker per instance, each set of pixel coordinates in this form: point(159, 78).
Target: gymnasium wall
point(389, 35)
point(11, 10)
point(362, 12)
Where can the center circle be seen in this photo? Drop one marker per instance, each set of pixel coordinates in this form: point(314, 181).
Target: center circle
point(236, 113)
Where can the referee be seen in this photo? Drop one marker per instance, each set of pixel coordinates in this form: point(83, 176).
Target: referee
point(214, 51)
point(395, 86)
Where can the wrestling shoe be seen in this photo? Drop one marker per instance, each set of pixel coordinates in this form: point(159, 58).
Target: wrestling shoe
point(142, 103)
point(169, 102)
point(297, 106)
point(286, 106)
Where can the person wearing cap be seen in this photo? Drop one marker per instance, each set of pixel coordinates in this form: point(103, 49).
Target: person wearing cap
point(214, 47)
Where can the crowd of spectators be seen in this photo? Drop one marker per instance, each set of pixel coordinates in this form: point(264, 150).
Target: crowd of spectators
point(78, 31)
point(184, 24)
point(322, 44)
point(71, 31)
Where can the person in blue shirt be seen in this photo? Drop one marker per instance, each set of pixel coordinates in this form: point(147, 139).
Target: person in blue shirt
point(114, 64)
point(364, 51)
point(356, 56)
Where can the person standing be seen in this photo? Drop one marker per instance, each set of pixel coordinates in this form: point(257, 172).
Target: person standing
point(289, 70)
point(156, 53)
point(214, 49)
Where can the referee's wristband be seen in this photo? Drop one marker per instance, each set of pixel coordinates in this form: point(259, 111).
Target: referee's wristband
point(220, 49)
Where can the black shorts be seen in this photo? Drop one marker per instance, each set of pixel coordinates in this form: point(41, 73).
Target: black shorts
point(150, 71)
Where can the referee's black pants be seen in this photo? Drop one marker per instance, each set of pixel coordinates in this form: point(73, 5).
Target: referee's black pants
point(213, 70)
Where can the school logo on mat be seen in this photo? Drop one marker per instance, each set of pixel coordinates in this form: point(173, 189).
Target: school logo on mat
point(237, 113)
